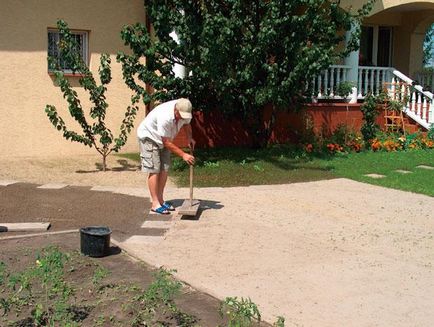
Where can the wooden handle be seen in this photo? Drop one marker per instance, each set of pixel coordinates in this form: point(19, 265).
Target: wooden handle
point(191, 185)
point(191, 181)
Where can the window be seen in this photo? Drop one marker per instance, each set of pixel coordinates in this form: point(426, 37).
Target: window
point(366, 46)
point(384, 58)
point(376, 46)
point(81, 37)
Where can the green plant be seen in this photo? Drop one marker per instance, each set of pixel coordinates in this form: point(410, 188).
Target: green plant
point(430, 133)
point(3, 273)
point(95, 134)
point(280, 322)
point(258, 168)
point(211, 164)
point(178, 164)
point(396, 105)
point(163, 289)
point(344, 89)
point(48, 275)
point(239, 55)
point(388, 141)
point(369, 110)
point(100, 320)
point(99, 274)
point(158, 301)
point(428, 46)
point(240, 312)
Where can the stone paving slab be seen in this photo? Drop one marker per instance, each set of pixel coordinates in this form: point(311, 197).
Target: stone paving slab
point(103, 188)
point(23, 227)
point(403, 171)
point(7, 182)
point(150, 217)
point(53, 186)
point(156, 216)
point(425, 167)
point(142, 239)
point(157, 224)
point(375, 175)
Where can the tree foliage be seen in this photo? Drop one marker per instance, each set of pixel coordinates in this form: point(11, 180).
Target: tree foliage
point(369, 110)
point(240, 55)
point(94, 134)
point(428, 47)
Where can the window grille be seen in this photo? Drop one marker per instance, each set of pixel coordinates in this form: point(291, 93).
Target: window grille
point(54, 38)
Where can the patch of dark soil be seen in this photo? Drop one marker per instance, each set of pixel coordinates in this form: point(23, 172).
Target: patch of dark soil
point(108, 299)
point(73, 207)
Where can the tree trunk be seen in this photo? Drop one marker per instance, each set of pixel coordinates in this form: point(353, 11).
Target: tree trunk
point(269, 126)
point(104, 156)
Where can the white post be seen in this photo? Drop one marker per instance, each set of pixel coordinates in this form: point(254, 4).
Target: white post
point(353, 61)
point(178, 70)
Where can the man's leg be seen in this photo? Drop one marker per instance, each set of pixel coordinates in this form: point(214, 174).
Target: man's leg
point(153, 185)
point(162, 179)
point(164, 172)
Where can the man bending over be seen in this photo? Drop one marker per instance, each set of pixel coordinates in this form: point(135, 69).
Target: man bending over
point(155, 134)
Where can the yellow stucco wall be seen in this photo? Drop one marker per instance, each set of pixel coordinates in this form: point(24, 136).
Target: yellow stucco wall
point(381, 5)
point(25, 85)
point(410, 21)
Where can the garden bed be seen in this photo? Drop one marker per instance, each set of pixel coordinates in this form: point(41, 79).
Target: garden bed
point(114, 290)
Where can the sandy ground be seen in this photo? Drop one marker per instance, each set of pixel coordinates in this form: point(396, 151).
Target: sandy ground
point(84, 170)
point(328, 253)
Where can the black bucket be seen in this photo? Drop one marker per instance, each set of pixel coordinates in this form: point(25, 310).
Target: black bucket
point(95, 241)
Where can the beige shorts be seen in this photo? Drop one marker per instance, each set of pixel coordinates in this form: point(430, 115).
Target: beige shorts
point(152, 158)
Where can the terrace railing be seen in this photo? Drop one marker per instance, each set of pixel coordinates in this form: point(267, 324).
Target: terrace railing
point(425, 79)
point(420, 106)
point(326, 83)
point(372, 80)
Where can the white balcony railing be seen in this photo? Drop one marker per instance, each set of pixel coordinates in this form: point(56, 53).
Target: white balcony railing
point(371, 80)
point(325, 84)
point(425, 79)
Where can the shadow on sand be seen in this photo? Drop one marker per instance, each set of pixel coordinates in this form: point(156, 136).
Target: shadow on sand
point(204, 205)
point(124, 165)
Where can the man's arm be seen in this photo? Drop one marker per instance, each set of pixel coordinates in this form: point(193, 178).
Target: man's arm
point(191, 141)
point(178, 151)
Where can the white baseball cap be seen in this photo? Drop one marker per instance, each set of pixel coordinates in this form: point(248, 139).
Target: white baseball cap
point(184, 107)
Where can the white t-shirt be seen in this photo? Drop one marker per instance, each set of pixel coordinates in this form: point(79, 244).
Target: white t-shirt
point(160, 122)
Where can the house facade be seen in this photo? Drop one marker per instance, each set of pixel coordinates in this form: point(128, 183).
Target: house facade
point(27, 35)
point(390, 51)
point(390, 54)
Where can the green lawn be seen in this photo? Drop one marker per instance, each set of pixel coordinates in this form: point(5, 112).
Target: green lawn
point(355, 166)
point(277, 165)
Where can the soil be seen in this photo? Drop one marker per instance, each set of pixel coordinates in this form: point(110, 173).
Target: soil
point(111, 301)
point(73, 207)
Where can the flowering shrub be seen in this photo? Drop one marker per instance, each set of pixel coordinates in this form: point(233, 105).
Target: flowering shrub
point(308, 147)
point(396, 142)
point(334, 147)
point(355, 145)
point(344, 141)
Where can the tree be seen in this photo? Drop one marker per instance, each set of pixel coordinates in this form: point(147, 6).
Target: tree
point(95, 134)
point(240, 55)
point(428, 47)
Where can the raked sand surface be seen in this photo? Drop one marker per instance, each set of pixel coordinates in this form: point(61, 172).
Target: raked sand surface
point(327, 253)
